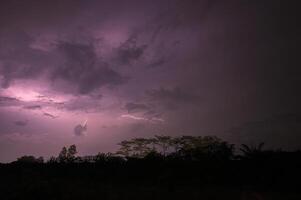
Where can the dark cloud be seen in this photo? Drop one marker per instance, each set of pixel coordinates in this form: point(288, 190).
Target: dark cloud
point(82, 68)
point(32, 13)
point(130, 50)
point(50, 115)
point(9, 101)
point(134, 107)
point(33, 107)
point(162, 100)
point(157, 63)
point(89, 103)
point(179, 14)
point(17, 59)
point(152, 113)
point(76, 63)
point(21, 123)
point(172, 98)
point(84, 103)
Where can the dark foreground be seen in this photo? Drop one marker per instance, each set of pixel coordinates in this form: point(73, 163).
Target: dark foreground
point(155, 178)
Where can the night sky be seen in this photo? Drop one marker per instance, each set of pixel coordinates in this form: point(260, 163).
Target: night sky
point(95, 72)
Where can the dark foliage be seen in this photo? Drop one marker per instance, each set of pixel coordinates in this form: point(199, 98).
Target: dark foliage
point(157, 168)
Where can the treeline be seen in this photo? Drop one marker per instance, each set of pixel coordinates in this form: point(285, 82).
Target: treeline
point(161, 167)
point(160, 147)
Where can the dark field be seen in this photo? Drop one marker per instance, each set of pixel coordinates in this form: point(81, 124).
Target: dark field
point(155, 178)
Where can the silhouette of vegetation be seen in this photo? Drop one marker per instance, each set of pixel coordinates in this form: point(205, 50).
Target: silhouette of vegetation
point(251, 150)
point(67, 155)
point(161, 167)
point(30, 159)
point(185, 147)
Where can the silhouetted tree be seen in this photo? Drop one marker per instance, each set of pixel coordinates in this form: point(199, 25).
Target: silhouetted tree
point(140, 147)
point(52, 159)
point(125, 148)
point(40, 159)
point(189, 147)
point(199, 147)
point(100, 158)
point(137, 147)
point(67, 155)
point(71, 152)
point(30, 159)
point(85, 159)
point(63, 155)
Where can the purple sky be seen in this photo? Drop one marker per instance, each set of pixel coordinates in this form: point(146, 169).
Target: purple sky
point(93, 73)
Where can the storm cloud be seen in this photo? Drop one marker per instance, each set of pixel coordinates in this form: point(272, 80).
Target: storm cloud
point(140, 67)
point(82, 68)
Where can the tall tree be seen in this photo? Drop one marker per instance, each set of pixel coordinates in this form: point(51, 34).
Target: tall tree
point(63, 155)
point(71, 153)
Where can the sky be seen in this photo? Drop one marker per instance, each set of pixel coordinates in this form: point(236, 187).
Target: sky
point(96, 72)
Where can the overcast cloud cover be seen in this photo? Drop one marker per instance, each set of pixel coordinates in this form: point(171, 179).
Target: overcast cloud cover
point(135, 68)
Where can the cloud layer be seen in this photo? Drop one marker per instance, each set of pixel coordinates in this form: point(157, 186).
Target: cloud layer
point(140, 68)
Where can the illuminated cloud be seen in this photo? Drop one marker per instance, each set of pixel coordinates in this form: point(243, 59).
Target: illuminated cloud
point(153, 119)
